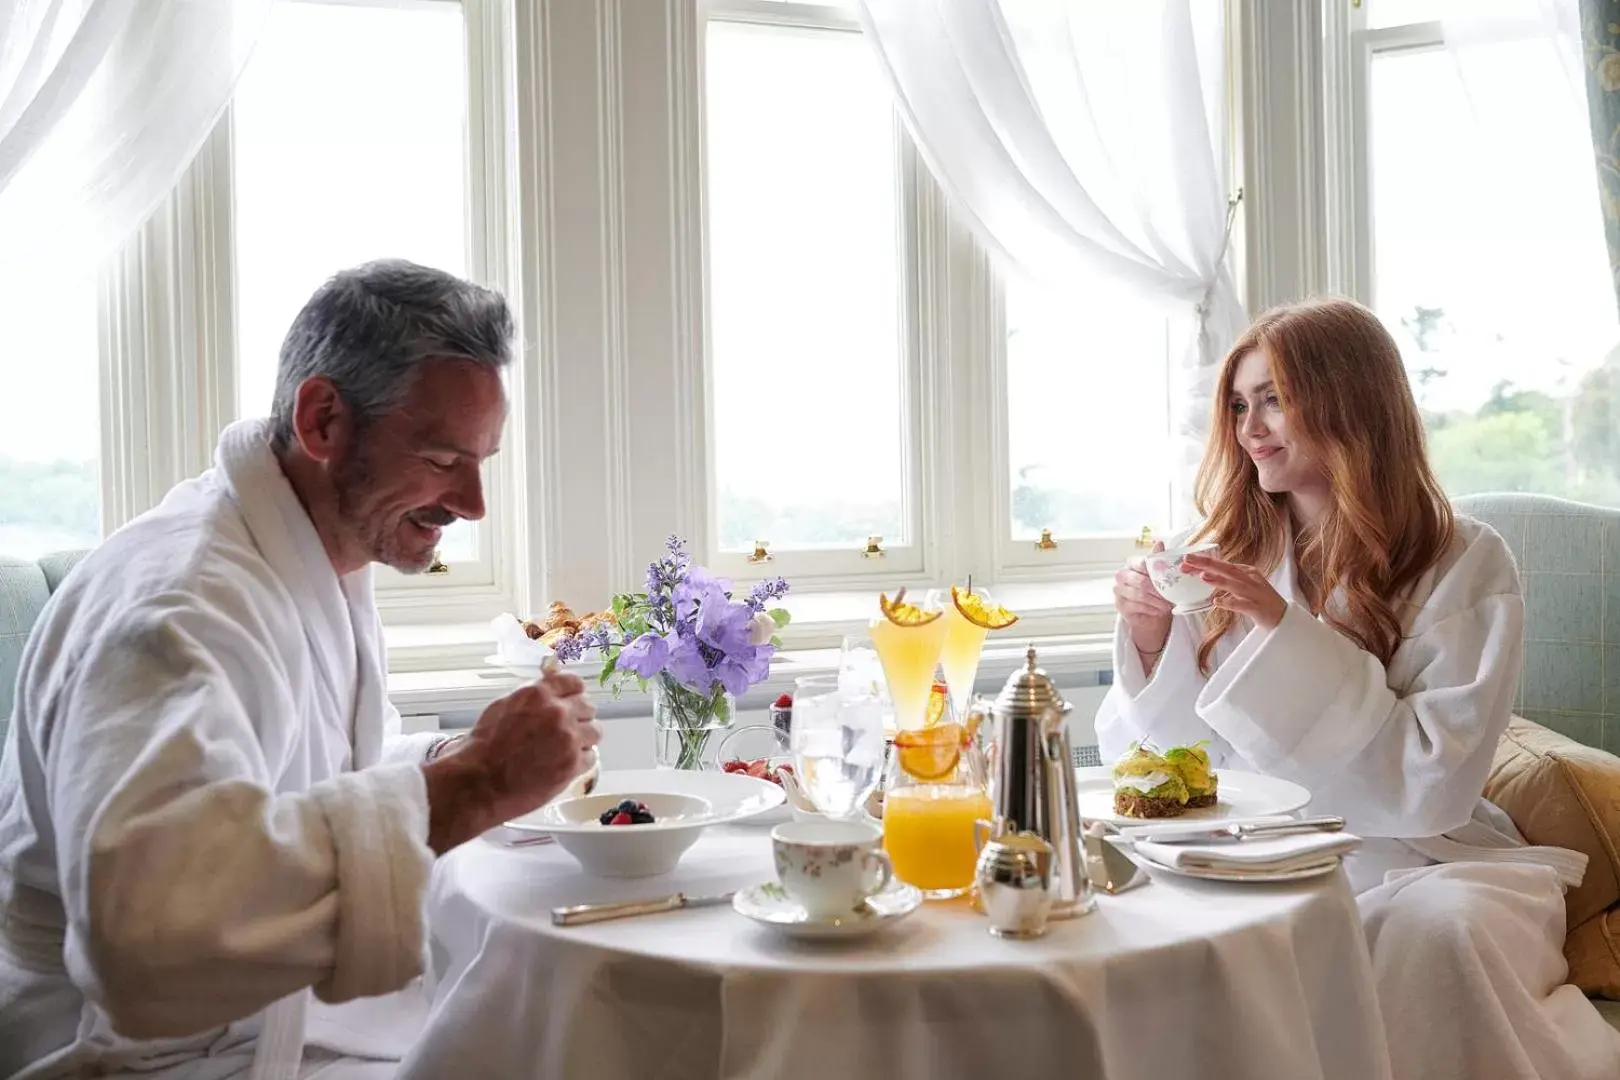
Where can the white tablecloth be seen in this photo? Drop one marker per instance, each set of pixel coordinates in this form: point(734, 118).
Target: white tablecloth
point(1174, 979)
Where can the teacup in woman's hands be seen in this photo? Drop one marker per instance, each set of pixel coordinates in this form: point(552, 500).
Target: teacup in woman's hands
point(1188, 592)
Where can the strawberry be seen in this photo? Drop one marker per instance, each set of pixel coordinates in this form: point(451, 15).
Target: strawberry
point(757, 769)
point(621, 818)
point(785, 701)
point(735, 766)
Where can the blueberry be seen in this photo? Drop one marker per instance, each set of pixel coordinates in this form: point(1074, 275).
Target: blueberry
point(629, 806)
point(607, 816)
point(642, 818)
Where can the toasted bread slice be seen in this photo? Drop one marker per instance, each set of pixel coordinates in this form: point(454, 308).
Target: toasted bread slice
point(1134, 804)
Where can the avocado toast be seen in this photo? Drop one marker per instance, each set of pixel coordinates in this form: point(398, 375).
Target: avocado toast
point(1148, 786)
point(1153, 784)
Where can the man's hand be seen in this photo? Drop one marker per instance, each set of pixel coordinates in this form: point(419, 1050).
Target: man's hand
point(523, 751)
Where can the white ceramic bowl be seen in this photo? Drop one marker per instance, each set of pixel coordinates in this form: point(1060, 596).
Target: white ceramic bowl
point(647, 850)
point(1187, 592)
point(629, 850)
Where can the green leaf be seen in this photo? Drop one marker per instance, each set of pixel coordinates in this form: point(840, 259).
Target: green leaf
point(722, 708)
point(609, 666)
point(776, 642)
point(780, 616)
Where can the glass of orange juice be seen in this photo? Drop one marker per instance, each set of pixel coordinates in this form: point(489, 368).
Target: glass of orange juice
point(935, 792)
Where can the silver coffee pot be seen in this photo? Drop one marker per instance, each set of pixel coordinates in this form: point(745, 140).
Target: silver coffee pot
point(1032, 786)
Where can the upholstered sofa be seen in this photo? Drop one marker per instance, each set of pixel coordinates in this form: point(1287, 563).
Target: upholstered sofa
point(1568, 555)
point(25, 586)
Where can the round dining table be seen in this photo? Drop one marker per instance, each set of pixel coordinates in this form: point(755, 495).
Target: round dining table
point(1177, 978)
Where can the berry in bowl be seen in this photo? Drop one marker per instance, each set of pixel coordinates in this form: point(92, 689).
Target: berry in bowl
point(628, 812)
point(761, 768)
point(760, 751)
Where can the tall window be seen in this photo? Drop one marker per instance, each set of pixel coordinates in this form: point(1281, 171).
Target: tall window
point(49, 418)
point(1088, 415)
point(1488, 258)
point(350, 145)
point(806, 281)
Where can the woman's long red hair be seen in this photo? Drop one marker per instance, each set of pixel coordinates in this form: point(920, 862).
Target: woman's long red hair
point(1339, 376)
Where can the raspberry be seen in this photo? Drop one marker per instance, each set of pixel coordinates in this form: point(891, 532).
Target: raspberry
point(622, 818)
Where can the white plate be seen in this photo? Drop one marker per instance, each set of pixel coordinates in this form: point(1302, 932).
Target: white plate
point(522, 671)
point(771, 905)
point(1241, 795)
point(1303, 873)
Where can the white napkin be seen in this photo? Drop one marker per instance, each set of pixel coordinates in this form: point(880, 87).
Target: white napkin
point(513, 646)
point(1277, 854)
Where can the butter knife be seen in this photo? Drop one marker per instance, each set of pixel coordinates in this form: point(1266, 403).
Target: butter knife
point(1186, 834)
point(580, 914)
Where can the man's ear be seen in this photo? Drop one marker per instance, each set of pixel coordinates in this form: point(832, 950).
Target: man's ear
point(322, 420)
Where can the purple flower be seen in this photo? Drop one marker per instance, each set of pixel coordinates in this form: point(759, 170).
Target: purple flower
point(645, 656)
point(769, 589)
point(737, 671)
point(687, 665)
point(724, 626)
point(700, 589)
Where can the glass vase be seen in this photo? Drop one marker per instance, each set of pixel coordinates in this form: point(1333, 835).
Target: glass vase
point(687, 724)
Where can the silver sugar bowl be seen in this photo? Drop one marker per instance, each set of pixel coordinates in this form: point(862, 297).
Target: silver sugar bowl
point(1014, 878)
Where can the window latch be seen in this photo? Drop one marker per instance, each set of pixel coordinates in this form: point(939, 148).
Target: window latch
point(1145, 540)
point(874, 548)
point(762, 553)
point(1046, 543)
point(438, 565)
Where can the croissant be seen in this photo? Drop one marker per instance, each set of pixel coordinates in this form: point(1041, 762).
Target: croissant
point(598, 618)
point(560, 614)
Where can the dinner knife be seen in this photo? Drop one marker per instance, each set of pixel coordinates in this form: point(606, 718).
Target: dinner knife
point(580, 914)
point(1189, 834)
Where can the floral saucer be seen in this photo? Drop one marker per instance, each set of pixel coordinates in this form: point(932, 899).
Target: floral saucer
point(771, 905)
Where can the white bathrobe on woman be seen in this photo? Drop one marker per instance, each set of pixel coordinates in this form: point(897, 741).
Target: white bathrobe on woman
point(198, 812)
point(1465, 922)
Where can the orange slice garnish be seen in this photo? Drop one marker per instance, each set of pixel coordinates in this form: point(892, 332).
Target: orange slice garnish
point(973, 609)
point(930, 753)
point(901, 613)
point(938, 698)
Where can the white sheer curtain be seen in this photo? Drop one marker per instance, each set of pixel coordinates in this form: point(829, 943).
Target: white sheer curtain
point(1085, 143)
point(103, 103)
point(1530, 291)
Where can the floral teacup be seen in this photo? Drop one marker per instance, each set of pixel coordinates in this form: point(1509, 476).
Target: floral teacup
point(830, 867)
point(1188, 592)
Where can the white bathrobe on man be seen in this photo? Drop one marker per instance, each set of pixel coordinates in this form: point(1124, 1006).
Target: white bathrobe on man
point(201, 810)
point(1466, 923)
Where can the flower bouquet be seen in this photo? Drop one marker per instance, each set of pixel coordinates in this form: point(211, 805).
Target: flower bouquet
point(692, 644)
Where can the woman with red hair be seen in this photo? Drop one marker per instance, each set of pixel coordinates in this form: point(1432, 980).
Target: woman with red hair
point(1366, 642)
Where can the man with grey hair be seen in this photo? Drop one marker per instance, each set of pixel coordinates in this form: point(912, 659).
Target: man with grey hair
point(213, 840)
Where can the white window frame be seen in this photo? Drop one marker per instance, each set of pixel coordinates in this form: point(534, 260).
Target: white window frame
point(958, 475)
point(823, 568)
point(168, 344)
